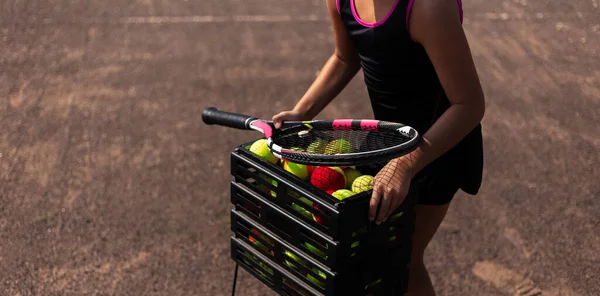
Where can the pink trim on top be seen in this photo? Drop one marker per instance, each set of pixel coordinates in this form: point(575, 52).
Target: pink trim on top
point(337, 4)
point(460, 9)
point(372, 25)
point(369, 125)
point(412, 2)
point(408, 11)
point(265, 127)
point(342, 124)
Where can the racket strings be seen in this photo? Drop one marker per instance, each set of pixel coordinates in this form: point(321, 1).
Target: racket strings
point(333, 142)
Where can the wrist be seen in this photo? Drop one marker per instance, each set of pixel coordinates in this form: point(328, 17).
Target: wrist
point(303, 111)
point(413, 162)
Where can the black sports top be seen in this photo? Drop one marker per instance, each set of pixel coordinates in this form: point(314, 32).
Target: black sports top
point(403, 87)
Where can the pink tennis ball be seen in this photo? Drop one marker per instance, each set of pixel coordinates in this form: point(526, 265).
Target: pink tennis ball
point(328, 178)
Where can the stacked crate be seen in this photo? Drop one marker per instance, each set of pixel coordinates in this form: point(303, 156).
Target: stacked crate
point(299, 240)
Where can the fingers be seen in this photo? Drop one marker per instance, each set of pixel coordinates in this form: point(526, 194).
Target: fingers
point(277, 119)
point(385, 206)
point(375, 196)
point(282, 116)
point(395, 203)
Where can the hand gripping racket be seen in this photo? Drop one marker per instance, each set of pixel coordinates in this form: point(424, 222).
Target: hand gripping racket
point(341, 142)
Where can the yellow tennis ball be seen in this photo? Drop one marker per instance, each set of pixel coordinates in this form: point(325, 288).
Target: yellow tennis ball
point(319, 272)
point(302, 210)
point(315, 250)
point(299, 170)
point(351, 175)
point(339, 146)
point(314, 280)
point(266, 189)
point(261, 148)
point(294, 257)
point(342, 194)
point(362, 183)
point(317, 147)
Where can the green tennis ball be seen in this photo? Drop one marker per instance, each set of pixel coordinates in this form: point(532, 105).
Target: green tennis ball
point(373, 283)
point(268, 179)
point(315, 250)
point(351, 175)
point(306, 201)
point(294, 257)
point(299, 170)
point(302, 210)
point(290, 264)
point(319, 272)
point(317, 147)
point(313, 280)
point(261, 148)
point(342, 194)
point(267, 190)
point(340, 146)
point(362, 183)
point(396, 216)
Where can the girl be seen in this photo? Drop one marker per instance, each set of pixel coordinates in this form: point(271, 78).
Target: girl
point(419, 71)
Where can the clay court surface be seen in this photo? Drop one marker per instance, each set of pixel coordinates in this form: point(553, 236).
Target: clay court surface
point(110, 184)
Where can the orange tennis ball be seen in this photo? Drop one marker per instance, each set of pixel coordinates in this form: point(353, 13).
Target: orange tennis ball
point(328, 178)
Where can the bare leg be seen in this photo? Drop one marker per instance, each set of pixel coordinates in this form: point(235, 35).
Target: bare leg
point(428, 219)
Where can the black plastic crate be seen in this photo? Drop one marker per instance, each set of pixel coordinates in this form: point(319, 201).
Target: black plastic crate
point(360, 281)
point(394, 236)
point(312, 272)
point(339, 220)
point(268, 272)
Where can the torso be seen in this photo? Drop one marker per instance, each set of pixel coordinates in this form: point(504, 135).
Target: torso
point(401, 81)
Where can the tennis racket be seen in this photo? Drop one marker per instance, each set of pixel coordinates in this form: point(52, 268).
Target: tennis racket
point(341, 142)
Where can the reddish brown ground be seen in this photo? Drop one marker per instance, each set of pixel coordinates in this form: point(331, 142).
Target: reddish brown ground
point(111, 185)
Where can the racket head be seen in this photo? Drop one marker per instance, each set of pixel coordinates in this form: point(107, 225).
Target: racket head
point(342, 142)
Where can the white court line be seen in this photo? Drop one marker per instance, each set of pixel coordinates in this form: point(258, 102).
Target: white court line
point(207, 19)
point(315, 18)
point(221, 19)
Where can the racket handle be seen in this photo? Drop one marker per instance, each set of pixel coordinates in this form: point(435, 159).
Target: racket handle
point(233, 120)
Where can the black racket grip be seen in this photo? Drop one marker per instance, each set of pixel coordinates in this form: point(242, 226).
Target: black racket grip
point(233, 120)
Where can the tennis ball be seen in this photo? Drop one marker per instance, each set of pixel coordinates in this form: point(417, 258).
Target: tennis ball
point(328, 178)
point(261, 148)
point(317, 147)
point(316, 217)
point(313, 280)
point(268, 179)
point(396, 216)
point(299, 170)
point(302, 210)
point(290, 264)
point(266, 238)
point(351, 174)
point(373, 283)
point(305, 200)
point(267, 190)
point(315, 250)
point(339, 146)
point(342, 194)
point(319, 272)
point(362, 183)
point(294, 257)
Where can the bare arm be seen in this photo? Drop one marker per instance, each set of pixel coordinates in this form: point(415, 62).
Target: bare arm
point(435, 24)
point(337, 72)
